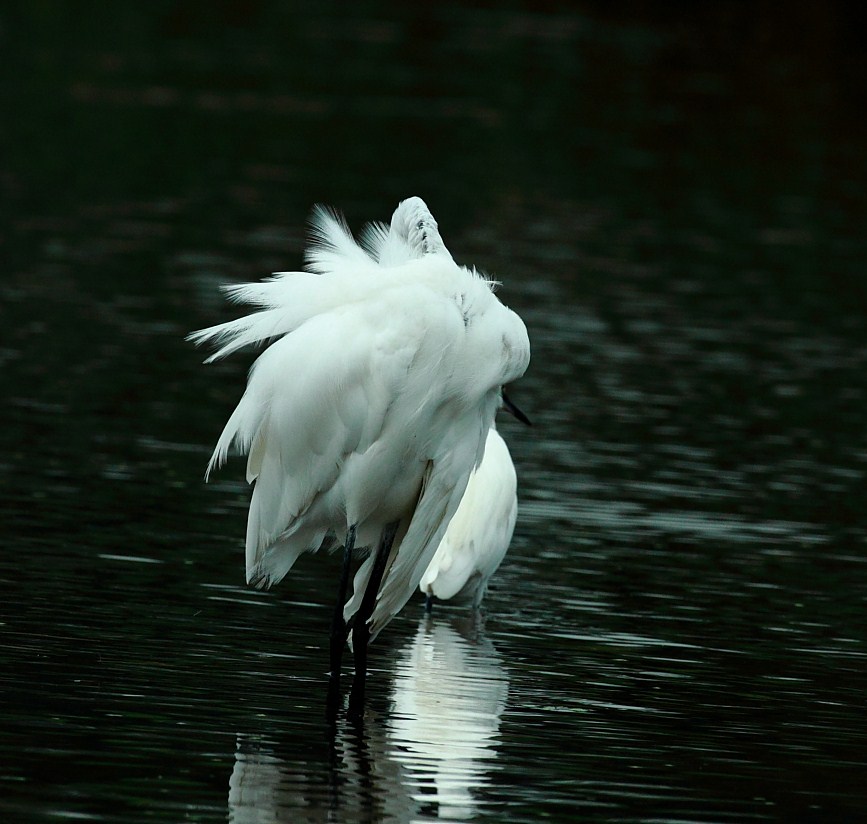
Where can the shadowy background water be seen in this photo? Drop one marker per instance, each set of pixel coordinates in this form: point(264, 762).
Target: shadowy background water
point(674, 199)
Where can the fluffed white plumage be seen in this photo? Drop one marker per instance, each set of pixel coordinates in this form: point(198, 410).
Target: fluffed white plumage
point(372, 403)
point(479, 534)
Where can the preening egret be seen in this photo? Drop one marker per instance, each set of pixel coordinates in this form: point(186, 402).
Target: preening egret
point(369, 409)
point(479, 534)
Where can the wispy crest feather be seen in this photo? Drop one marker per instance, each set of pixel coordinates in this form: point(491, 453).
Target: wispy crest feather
point(331, 243)
point(287, 299)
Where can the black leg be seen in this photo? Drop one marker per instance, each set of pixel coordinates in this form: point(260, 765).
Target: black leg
point(360, 626)
point(338, 625)
point(428, 603)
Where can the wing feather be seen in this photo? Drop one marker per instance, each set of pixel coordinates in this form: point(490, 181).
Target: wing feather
point(310, 403)
point(444, 485)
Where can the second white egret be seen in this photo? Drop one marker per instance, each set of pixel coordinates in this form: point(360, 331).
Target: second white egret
point(480, 532)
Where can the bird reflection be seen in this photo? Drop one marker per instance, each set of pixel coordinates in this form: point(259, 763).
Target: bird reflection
point(424, 754)
point(259, 792)
point(449, 692)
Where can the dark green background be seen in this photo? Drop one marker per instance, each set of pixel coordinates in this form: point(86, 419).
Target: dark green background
point(674, 198)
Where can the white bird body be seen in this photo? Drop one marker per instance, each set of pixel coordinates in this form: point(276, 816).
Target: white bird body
point(372, 405)
point(479, 534)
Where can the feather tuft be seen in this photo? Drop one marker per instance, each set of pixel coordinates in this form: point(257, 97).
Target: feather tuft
point(331, 243)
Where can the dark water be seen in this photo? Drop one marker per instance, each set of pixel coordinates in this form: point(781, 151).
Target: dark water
point(674, 201)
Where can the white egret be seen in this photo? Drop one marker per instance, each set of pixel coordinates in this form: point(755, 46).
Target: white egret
point(479, 534)
point(368, 410)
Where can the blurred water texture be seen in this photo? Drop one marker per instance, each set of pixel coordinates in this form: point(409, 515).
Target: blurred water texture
point(674, 199)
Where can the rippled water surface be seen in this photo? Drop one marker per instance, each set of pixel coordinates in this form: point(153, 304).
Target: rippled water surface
point(674, 203)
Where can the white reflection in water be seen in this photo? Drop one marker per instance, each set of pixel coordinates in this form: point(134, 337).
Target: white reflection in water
point(449, 692)
point(261, 790)
point(427, 760)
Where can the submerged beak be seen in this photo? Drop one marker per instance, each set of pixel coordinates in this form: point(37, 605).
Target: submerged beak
point(511, 408)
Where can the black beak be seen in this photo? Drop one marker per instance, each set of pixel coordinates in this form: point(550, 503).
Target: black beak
point(510, 407)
